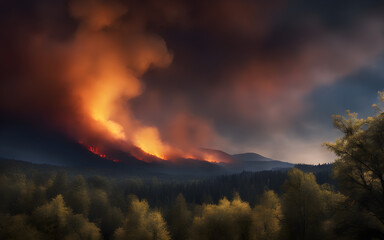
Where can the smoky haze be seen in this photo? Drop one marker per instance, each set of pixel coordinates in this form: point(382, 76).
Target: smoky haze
point(175, 76)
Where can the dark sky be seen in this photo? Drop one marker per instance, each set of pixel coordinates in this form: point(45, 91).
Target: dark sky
point(236, 75)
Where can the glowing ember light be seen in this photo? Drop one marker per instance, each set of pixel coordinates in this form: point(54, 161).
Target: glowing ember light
point(148, 140)
point(96, 151)
point(210, 158)
point(113, 127)
point(97, 75)
point(103, 78)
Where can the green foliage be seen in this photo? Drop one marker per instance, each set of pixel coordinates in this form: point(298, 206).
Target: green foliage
point(359, 167)
point(59, 185)
point(19, 194)
point(93, 208)
point(142, 223)
point(77, 196)
point(99, 202)
point(267, 217)
point(106, 217)
point(303, 206)
point(57, 221)
point(230, 220)
point(348, 221)
point(18, 228)
point(180, 219)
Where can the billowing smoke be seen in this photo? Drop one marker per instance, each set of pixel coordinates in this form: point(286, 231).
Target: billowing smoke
point(169, 77)
point(84, 84)
point(107, 58)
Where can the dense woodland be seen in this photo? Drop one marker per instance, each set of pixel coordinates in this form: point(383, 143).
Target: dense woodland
point(263, 205)
point(300, 203)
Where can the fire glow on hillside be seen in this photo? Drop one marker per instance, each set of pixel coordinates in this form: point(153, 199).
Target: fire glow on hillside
point(96, 75)
point(161, 79)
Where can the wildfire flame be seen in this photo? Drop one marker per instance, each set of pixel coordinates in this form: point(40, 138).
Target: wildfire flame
point(97, 151)
point(103, 74)
point(148, 140)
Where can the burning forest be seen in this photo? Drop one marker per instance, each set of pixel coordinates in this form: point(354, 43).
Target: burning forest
point(184, 120)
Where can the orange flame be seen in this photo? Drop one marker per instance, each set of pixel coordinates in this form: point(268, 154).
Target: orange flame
point(202, 156)
point(148, 140)
point(104, 75)
point(96, 151)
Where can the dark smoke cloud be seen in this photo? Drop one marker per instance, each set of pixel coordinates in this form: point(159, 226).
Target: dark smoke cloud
point(240, 75)
point(253, 83)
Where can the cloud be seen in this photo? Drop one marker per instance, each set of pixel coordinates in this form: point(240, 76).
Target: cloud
point(179, 74)
point(271, 93)
point(254, 85)
point(83, 84)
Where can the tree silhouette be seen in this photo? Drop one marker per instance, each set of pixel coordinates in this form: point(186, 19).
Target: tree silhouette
point(359, 167)
point(303, 206)
point(180, 219)
point(57, 221)
point(18, 228)
point(228, 220)
point(266, 217)
point(142, 223)
point(77, 196)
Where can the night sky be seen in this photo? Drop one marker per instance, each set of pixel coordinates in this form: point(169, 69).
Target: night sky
point(173, 76)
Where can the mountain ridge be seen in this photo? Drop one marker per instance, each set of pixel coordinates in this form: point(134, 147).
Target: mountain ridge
point(251, 156)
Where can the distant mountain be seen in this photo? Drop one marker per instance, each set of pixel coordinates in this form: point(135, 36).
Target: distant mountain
point(256, 166)
point(219, 155)
point(47, 147)
point(254, 162)
point(250, 162)
point(250, 157)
